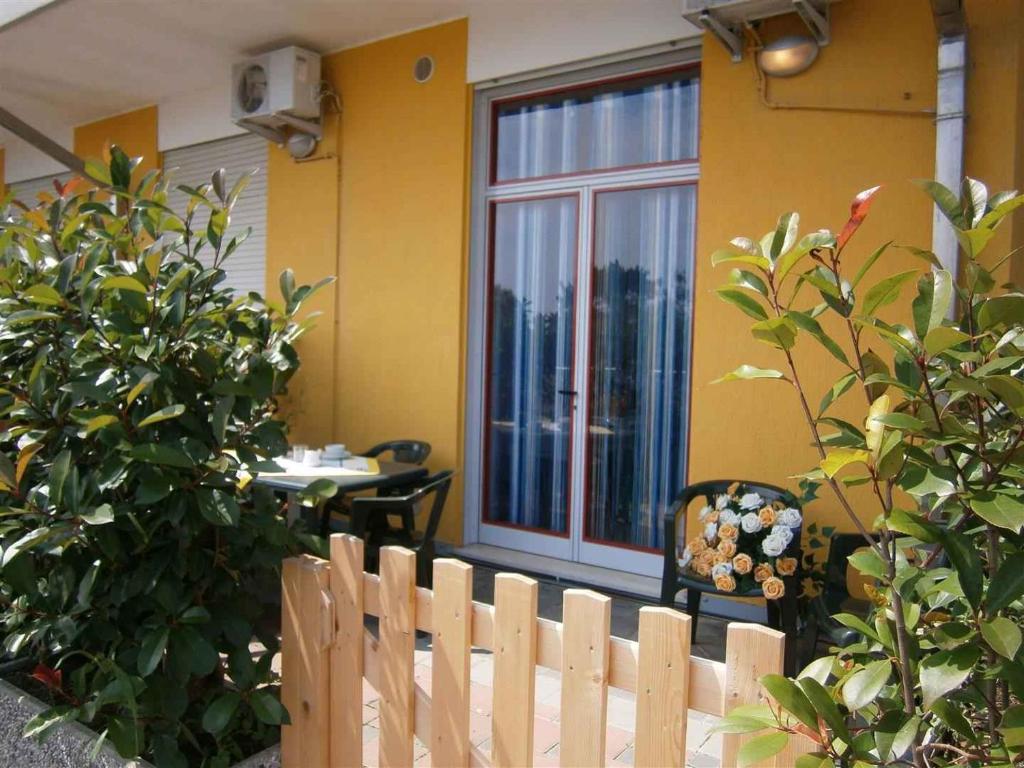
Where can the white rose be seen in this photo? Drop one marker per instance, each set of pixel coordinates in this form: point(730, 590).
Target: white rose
point(751, 501)
point(773, 546)
point(728, 517)
point(790, 517)
point(721, 501)
point(686, 559)
point(722, 569)
point(751, 523)
point(710, 531)
point(704, 512)
point(783, 532)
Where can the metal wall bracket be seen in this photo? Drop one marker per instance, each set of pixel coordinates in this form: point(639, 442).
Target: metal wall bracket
point(816, 21)
point(728, 36)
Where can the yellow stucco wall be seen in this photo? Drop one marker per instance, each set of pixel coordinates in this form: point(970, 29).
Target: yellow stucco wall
point(757, 162)
point(302, 234)
point(402, 247)
point(135, 132)
point(385, 212)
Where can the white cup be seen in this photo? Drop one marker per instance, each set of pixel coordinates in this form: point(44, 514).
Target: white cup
point(311, 458)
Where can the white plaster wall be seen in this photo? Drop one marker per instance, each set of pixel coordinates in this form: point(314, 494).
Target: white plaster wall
point(202, 115)
point(509, 38)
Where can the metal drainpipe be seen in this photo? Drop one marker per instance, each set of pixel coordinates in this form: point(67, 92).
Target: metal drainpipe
point(950, 118)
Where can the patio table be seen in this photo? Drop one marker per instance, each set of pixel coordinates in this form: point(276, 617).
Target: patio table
point(296, 477)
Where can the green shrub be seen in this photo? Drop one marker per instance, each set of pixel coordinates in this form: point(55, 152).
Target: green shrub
point(938, 677)
point(137, 563)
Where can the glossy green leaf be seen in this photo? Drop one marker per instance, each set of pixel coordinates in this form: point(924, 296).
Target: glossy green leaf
point(1002, 635)
point(807, 323)
point(747, 372)
point(152, 649)
point(100, 515)
point(934, 296)
point(946, 200)
point(1008, 584)
point(1004, 509)
point(267, 708)
point(938, 340)
point(123, 283)
point(170, 412)
point(869, 262)
point(886, 291)
point(744, 278)
point(863, 686)
point(219, 713)
point(946, 671)
point(789, 695)
point(217, 506)
point(838, 458)
point(162, 454)
point(745, 302)
point(759, 748)
point(967, 562)
point(142, 385)
point(779, 332)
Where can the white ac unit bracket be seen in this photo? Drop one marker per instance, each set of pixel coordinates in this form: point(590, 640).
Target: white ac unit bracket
point(725, 18)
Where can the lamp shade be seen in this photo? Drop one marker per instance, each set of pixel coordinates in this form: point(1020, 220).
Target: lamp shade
point(787, 56)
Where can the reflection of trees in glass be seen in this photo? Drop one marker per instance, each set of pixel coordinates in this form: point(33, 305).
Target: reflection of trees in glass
point(515, 325)
point(630, 380)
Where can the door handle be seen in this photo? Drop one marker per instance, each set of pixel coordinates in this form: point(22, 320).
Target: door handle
point(568, 392)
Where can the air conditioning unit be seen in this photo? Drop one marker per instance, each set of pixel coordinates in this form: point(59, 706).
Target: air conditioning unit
point(276, 90)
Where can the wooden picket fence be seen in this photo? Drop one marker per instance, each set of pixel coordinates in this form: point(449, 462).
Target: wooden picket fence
point(327, 652)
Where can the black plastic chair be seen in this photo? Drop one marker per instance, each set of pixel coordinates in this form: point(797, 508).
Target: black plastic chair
point(369, 522)
point(835, 595)
point(405, 451)
point(782, 613)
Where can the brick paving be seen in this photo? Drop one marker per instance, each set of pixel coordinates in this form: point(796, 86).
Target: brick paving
point(701, 751)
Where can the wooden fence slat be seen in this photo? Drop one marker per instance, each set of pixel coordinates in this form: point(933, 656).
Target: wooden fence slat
point(452, 642)
point(707, 678)
point(305, 663)
point(750, 652)
point(586, 622)
point(661, 697)
point(515, 660)
point(397, 647)
point(347, 652)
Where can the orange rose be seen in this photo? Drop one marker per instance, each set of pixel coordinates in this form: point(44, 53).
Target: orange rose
point(718, 558)
point(763, 571)
point(767, 517)
point(786, 566)
point(726, 583)
point(697, 545)
point(773, 588)
point(742, 564)
point(702, 565)
point(728, 531)
point(727, 547)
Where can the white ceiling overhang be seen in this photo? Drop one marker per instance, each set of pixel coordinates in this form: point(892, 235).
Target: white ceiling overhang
point(68, 62)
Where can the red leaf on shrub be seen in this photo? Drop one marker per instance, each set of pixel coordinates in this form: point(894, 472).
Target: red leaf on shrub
point(858, 212)
point(51, 678)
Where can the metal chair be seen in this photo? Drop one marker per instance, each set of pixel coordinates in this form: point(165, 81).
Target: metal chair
point(405, 451)
point(782, 613)
point(369, 522)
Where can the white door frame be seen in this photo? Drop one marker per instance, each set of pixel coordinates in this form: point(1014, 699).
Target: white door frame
point(573, 548)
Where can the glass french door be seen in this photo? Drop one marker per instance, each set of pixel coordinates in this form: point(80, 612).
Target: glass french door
point(583, 325)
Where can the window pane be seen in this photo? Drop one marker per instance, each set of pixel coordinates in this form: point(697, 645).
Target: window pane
point(636, 436)
point(639, 122)
point(530, 363)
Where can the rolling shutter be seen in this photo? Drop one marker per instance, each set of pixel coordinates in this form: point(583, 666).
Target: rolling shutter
point(28, 191)
point(246, 268)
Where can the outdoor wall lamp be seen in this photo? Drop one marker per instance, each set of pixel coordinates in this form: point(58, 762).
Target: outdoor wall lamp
point(787, 56)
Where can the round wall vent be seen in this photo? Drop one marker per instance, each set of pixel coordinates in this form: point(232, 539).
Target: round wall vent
point(252, 88)
point(423, 69)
